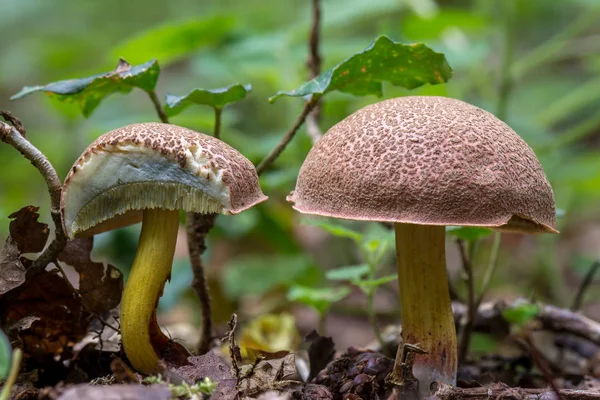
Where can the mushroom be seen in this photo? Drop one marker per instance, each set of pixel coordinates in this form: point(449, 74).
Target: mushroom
point(422, 163)
point(148, 172)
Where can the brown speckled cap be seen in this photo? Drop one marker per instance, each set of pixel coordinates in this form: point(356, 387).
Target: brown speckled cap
point(430, 161)
point(154, 165)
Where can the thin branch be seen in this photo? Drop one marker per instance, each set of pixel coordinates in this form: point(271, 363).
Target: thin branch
point(18, 140)
point(550, 318)
point(542, 363)
point(501, 391)
point(286, 139)
point(197, 226)
point(314, 67)
point(160, 111)
point(506, 80)
point(217, 132)
point(584, 285)
point(467, 326)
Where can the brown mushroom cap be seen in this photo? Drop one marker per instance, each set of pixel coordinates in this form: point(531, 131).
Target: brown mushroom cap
point(154, 165)
point(426, 160)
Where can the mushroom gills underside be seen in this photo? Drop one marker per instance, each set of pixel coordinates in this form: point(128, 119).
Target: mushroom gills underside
point(114, 207)
point(110, 185)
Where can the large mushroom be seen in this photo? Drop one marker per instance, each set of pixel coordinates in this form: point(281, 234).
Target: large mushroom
point(422, 163)
point(148, 172)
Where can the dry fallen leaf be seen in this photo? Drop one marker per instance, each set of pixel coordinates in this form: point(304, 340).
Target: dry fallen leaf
point(100, 285)
point(29, 234)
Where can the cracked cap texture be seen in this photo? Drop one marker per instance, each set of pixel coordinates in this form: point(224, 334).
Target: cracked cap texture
point(154, 165)
point(426, 160)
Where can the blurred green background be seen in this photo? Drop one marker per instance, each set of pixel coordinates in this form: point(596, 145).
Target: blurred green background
point(544, 55)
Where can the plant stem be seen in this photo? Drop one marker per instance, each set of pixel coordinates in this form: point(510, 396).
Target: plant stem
point(286, 139)
point(323, 323)
point(158, 106)
point(12, 377)
point(373, 317)
point(427, 319)
point(314, 67)
point(18, 140)
point(217, 132)
point(506, 80)
point(491, 268)
point(584, 285)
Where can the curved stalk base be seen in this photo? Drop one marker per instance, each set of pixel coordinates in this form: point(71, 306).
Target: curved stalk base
point(151, 269)
point(427, 319)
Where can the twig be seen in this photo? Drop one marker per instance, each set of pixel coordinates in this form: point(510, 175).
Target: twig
point(502, 391)
point(550, 318)
point(314, 66)
point(17, 139)
point(584, 285)
point(506, 81)
point(467, 326)
point(542, 363)
point(158, 106)
point(217, 131)
point(234, 350)
point(198, 226)
point(289, 135)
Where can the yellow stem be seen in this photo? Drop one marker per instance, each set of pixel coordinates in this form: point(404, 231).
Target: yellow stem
point(151, 269)
point(427, 318)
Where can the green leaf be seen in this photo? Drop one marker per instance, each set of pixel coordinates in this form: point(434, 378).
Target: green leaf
point(371, 283)
point(217, 98)
point(521, 313)
point(90, 91)
point(468, 233)
point(334, 228)
point(173, 41)
point(318, 298)
point(5, 356)
point(349, 273)
point(409, 66)
point(255, 276)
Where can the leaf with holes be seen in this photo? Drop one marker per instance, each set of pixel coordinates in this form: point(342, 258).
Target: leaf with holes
point(216, 98)
point(27, 235)
point(89, 92)
point(100, 285)
point(409, 66)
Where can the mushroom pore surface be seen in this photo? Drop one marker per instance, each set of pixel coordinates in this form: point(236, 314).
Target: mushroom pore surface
point(426, 160)
point(155, 165)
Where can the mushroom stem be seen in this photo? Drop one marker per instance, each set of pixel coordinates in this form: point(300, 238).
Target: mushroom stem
point(151, 269)
point(427, 319)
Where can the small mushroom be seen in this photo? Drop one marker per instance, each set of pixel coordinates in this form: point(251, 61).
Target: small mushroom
point(148, 172)
point(422, 163)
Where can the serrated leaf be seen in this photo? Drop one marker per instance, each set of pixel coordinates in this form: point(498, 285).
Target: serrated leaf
point(5, 356)
point(409, 66)
point(521, 313)
point(333, 228)
point(318, 298)
point(173, 41)
point(216, 98)
point(348, 273)
point(468, 233)
point(89, 92)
